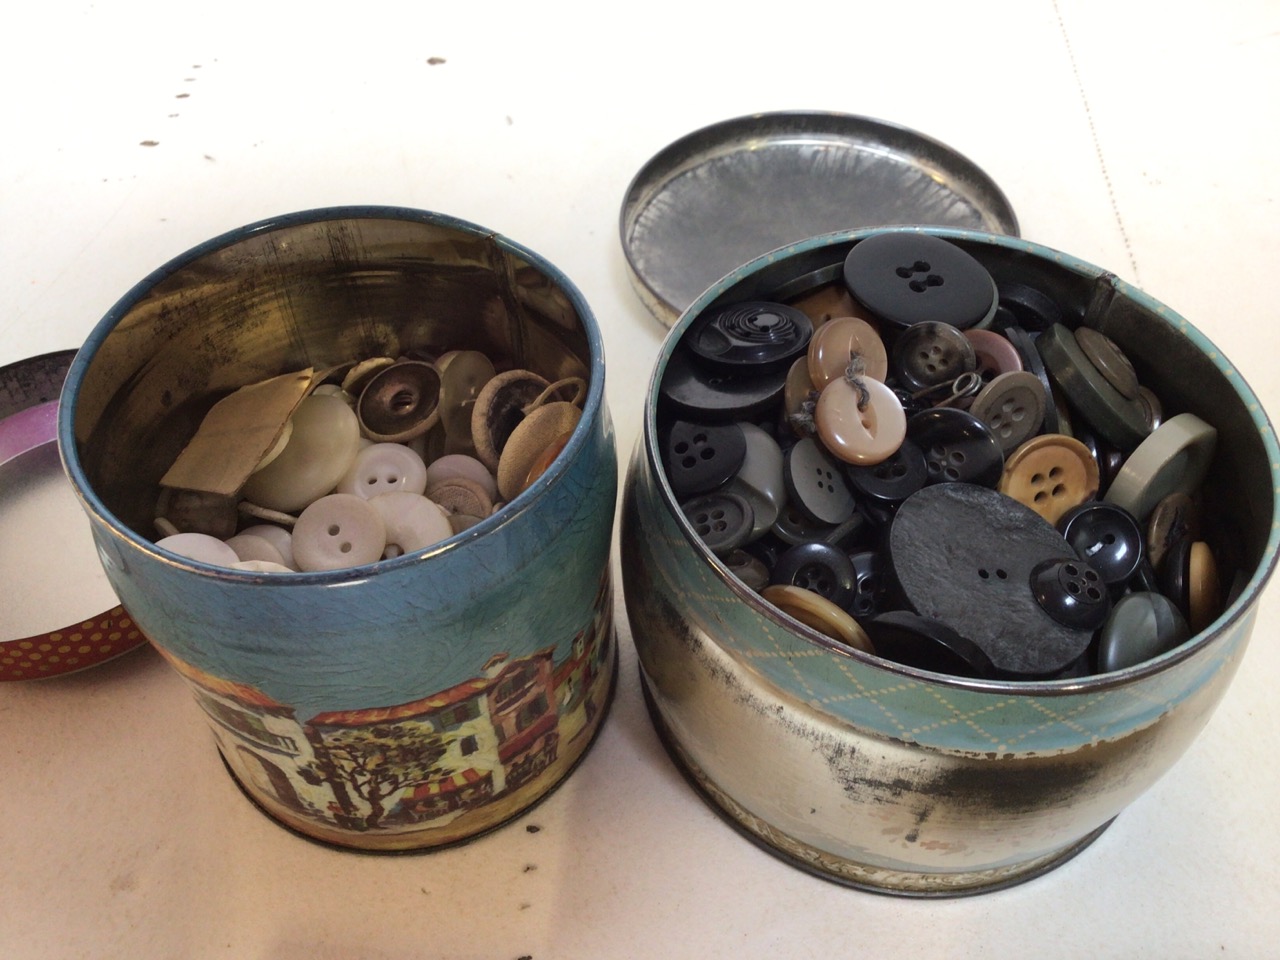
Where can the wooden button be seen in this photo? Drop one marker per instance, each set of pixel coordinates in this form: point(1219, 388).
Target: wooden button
point(526, 443)
point(1204, 589)
point(1050, 474)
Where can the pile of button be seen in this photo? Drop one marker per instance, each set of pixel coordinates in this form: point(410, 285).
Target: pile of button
point(942, 470)
point(386, 457)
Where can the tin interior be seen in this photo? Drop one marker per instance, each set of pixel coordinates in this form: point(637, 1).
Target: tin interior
point(317, 289)
point(1171, 357)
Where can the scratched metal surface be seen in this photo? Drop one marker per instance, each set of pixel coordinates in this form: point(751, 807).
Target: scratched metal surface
point(725, 194)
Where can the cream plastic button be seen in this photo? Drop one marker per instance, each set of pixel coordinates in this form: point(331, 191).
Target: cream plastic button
point(200, 547)
point(836, 343)
point(1050, 474)
point(278, 537)
point(324, 441)
point(860, 436)
point(261, 566)
point(250, 547)
point(382, 468)
point(454, 465)
point(337, 531)
point(412, 522)
point(1174, 459)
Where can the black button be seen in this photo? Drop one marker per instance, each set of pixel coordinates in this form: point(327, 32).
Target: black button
point(754, 336)
point(702, 457)
point(870, 585)
point(1107, 537)
point(1072, 592)
point(915, 641)
point(892, 480)
point(908, 278)
point(819, 567)
point(964, 554)
point(690, 391)
point(1028, 307)
point(722, 520)
point(930, 353)
point(957, 447)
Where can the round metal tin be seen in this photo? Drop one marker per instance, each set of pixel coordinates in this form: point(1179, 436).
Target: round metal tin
point(723, 195)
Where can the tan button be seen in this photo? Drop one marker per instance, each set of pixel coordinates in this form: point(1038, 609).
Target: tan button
point(546, 458)
point(532, 436)
point(864, 437)
point(1050, 474)
point(1012, 405)
point(797, 391)
point(828, 303)
point(816, 611)
point(498, 410)
point(462, 495)
point(834, 344)
point(1204, 589)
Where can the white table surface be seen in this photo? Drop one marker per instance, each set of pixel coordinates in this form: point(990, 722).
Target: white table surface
point(1140, 136)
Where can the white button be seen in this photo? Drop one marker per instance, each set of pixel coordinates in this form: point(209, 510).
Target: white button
point(384, 468)
point(325, 438)
point(261, 566)
point(454, 465)
point(338, 531)
point(278, 537)
point(412, 522)
point(250, 547)
point(201, 547)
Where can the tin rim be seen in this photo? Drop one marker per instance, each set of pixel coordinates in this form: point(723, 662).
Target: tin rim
point(1238, 609)
point(593, 406)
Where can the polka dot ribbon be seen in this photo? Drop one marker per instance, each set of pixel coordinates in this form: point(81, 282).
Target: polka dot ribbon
point(81, 645)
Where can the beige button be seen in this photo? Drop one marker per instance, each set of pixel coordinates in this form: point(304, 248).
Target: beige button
point(250, 547)
point(278, 537)
point(526, 443)
point(461, 495)
point(1050, 474)
point(463, 374)
point(834, 344)
point(1204, 588)
point(864, 436)
point(828, 303)
point(453, 465)
point(816, 611)
point(322, 446)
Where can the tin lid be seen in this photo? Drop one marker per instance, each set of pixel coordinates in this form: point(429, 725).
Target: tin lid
point(723, 195)
point(47, 537)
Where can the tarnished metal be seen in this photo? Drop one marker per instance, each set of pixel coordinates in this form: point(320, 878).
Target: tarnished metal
point(727, 193)
point(902, 780)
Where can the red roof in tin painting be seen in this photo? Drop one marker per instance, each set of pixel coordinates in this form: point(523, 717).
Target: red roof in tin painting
point(467, 690)
point(243, 692)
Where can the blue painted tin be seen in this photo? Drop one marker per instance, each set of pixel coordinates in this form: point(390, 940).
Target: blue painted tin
point(406, 704)
point(901, 780)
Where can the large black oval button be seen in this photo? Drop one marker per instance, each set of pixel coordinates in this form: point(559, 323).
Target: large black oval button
point(908, 278)
point(964, 555)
